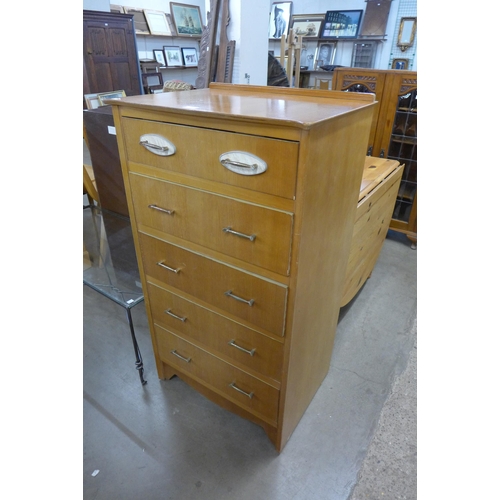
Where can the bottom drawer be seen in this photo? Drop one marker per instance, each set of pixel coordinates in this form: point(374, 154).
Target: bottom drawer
point(242, 389)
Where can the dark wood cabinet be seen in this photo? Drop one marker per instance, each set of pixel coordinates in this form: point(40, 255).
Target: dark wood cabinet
point(110, 60)
point(394, 131)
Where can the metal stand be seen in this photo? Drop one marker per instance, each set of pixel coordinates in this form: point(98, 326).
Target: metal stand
point(138, 357)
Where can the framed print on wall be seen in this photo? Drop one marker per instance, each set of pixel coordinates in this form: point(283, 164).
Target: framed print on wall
point(187, 19)
point(189, 56)
point(279, 19)
point(159, 56)
point(341, 24)
point(325, 53)
point(157, 23)
point(140, 23)
point(400, 63)
point(309, 26)
point(173, 56)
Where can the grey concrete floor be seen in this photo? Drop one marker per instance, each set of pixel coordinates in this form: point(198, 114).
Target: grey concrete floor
point(165, 441)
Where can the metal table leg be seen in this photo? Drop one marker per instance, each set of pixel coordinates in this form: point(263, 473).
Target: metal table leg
point(138, 357)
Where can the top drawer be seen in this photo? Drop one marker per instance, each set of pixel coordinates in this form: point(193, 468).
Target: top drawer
point(198, 153)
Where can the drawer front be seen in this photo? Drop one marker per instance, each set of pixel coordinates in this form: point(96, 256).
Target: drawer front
point(256, 351)
point(216, 283)
point(264, 237)
point(234, 384)
point(198, 151)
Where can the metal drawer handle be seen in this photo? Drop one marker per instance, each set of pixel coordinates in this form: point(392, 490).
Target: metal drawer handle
point(248, 394)
point(170, 313)
point(161, 264)
point(250, 237)
point(147, 144)
point(234, 344)
point(175, 353)
point(229, 293)
point(163, 210)
point(234, 163)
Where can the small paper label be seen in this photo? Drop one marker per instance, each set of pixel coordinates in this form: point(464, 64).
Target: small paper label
point(111, 130)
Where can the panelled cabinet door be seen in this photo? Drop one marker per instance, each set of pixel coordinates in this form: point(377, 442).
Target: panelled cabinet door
point(110, 54)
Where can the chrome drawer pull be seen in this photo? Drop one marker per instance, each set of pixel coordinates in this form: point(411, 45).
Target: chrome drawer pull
point(229, 293)
point(157, 144)
point(187, 360)
point(161, 264)
point(248, 394)
point(234, 344)
point(147, 144)
point(229, 230)
point(170, 313)
point(164, 210)
point(242, 163)
point(233, 163)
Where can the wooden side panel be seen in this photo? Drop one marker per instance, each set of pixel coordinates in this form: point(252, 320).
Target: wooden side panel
point(328, 189)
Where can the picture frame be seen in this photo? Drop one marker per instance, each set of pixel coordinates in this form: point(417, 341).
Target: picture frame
point(189, 56)
point(173, 56)
point(341, 24)
point(325, 54)
point(115, 94)
point(91, 101)
point(407, 31)
point(309, 26)
point(157, 23)
point(186, 19)
point(400, 63)
point(279, 19)
point(140, 23)
point(116, 9)
point(159, 56)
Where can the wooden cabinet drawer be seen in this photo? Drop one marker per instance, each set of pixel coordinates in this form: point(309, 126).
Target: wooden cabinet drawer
point(268, 233)
point(198, 154)
point(234, 384)
point(216, 283)
point(232, 339)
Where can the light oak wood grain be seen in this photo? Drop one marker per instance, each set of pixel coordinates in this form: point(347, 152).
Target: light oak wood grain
point(319, 135)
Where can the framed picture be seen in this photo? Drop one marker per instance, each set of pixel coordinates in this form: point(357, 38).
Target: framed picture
point(189, 56)
point(117, 9)
point(279, 19)
point(159, 55)
point(140, 23)
point(325, 53)
point(157, 23)
point(91, 101)
point(116, 94)
point(187, 19)
point(309, 26)
point(341, 24)
point(400, 63)
point(173, 56)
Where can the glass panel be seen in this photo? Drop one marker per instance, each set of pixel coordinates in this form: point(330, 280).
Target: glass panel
point(358, 87)
point(403, 147)
point(109, 259)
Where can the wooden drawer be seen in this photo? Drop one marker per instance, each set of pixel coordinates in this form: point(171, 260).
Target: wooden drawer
point(262, 354)
point(373, 215)
point(211, 282)
point(260, 398)
point(191, 219)
point(198, 151)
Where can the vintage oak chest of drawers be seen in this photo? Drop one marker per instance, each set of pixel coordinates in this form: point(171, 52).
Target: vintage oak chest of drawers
point(242, 201)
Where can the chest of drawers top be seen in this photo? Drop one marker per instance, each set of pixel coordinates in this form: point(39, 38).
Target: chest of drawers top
point(287, 107)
